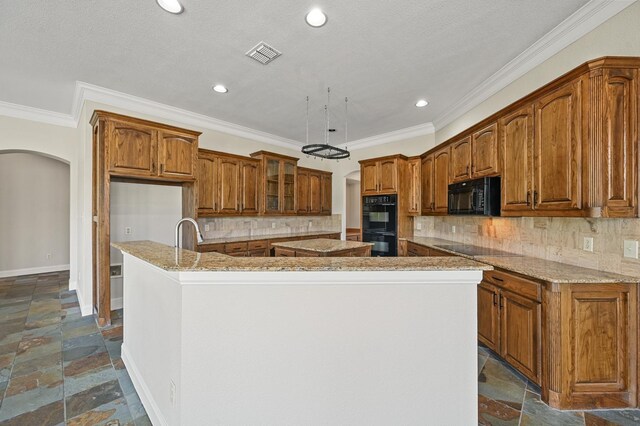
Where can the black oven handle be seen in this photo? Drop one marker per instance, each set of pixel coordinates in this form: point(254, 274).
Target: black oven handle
point(474, 191)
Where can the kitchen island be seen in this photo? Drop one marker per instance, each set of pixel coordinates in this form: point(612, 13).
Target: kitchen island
point(211, 339)
point(322, 247)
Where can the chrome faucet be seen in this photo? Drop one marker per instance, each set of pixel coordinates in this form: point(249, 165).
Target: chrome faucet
point(195, 224)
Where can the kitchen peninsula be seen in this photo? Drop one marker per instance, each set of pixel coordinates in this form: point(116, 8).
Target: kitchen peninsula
point(323, 247)
point(333, 340)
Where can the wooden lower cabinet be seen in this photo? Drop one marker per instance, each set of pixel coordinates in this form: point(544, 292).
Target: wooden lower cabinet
point(509, 324)
point(255, 248)
point(414, 249)
point(591, 345)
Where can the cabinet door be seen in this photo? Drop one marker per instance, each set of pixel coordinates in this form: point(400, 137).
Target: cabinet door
point(207, 184)
point(289, 187)
point(520, 334)
point(303, 191)
point(132, 149)
point(249, 179)
point(516, 142)
point(177, 153)
point(461, 160)
point(427, 184)
point(272, 186)
point(369, 176)
point(229, 184)
point(484, 152)
point(414, 186)
point(325, 193)
point(388, 172)
point(620, 125)
point(441, 181)
point(488, 316)
point(315, 196)
point(557, 150)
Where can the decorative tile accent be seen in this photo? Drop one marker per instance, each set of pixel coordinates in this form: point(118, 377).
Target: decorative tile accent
point(223, 227)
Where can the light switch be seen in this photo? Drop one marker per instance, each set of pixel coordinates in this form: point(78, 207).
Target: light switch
point(587, 244)
point(418, 226)
point(631, 249)
point(206, 227)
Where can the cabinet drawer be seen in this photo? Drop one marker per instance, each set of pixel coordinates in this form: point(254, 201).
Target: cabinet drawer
point(435, 252)
point(280, 252)
point(515, 284)
point(208, 248)
point(417, 250)
point(258, 253)
point(235, 248)
point(238, 254)
point(256, 245)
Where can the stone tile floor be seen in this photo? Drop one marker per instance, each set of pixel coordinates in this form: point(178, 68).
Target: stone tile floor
point(505, 397)
point(57, 367)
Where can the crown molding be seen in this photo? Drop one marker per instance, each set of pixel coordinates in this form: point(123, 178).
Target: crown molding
point(396, 135)
point(584, 20)
point(89, 92)
point(36, 114)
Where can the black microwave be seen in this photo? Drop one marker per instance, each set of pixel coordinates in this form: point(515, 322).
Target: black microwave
point(475, 197)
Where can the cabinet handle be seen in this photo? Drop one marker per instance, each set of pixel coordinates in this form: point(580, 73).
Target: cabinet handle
point(495, 299)
point(161, 168)
point(535, 198)
point(501, 304)
point(497, 279)
point(528, 198)
point(467, 172)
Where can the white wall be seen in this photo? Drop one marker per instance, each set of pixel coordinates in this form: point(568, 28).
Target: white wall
point(34, 214)
point(151, 211)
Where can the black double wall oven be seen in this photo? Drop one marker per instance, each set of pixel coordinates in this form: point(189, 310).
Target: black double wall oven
point(380, 224)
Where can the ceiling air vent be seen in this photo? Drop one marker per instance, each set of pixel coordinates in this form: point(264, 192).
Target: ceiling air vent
point(263, 53)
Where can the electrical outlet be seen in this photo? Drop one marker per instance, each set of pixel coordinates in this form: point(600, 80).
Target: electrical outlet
point(273, 225)
point(127, 230)
point(206, 227)
point(587, 244)
point(48, 255)
point(310, 223)
point(172, 392)
point(418, 226)
point(631, 249)
point(453, 229)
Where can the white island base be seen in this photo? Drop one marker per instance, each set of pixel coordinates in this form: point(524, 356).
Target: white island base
point(302, 347)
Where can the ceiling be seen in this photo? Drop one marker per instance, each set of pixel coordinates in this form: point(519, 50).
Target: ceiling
point(383, 55)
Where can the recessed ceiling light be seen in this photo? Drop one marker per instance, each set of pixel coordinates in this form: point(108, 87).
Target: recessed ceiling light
point(220, 88)
point(422, 103)
point(316, 18)
point(171, 6)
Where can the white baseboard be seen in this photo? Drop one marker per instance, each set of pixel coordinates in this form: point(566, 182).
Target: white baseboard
point(73, 285)
point(31, 271)
point(85, 308)
point(150, 405)
point(116, 303)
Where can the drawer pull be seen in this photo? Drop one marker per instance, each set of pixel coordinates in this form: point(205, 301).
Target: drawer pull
point(497, 279)
point(495, 300)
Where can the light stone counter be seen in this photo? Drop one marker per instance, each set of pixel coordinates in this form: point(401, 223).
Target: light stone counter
point(172, 259)
point(545, 270)
point(323, 245)
point(226, 240)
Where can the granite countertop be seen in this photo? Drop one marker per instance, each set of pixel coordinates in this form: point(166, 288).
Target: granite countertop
point(181, 260)
point(225, 240)
point(545, 270)
point(322, 245)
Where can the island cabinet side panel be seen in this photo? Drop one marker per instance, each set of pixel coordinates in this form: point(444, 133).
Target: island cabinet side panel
point(296, 348)
point(152, 338)
point(591, 346)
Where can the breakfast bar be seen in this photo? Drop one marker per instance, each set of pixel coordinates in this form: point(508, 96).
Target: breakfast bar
point(322, 247)
point(214, 339)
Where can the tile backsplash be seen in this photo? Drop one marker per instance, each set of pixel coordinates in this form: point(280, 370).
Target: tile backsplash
point(551, 238)
point(222, 227)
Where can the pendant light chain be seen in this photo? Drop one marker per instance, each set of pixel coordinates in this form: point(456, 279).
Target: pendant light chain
point(326, 150)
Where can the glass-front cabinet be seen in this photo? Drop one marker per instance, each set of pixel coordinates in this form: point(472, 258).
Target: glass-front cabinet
point(279, 184)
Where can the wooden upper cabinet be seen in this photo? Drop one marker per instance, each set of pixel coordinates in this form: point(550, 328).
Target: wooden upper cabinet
point(620, 117)
point(461, 160)
point(516, 143)
point(303, 191)
point(441, 180)
point(415, 190)
point(133, 148)
point(315, 196)
point(484, 152)
point(249, 186)
point(325, 193)
point(278, 189)
point(557, 149)
point(229, 181)
point(143, 149)
point(177, 154)
point(207, 184)
point(427, 185)
point(380, 175)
